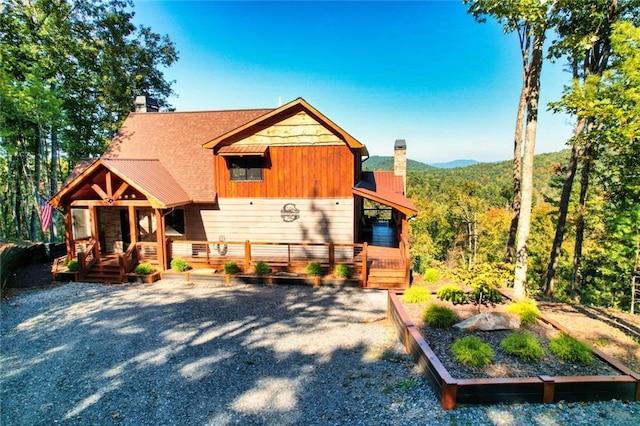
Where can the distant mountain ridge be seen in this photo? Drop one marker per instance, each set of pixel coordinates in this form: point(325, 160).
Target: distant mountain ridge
point(454, 164)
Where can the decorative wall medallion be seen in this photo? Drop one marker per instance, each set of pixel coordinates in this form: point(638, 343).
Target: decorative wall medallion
point(289, 212)
point(221, 247)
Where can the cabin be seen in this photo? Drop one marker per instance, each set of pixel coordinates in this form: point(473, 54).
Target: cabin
point(284, 186)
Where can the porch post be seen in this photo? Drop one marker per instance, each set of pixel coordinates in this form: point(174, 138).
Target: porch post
point(160, 238)
point(95, 233)
point(133, 228)
point(68, 233)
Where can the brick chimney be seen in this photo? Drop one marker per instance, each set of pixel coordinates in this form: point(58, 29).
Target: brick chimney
point(400, 161)
point(144, 104)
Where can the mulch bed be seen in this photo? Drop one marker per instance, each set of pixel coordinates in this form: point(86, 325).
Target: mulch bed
point(503, 365)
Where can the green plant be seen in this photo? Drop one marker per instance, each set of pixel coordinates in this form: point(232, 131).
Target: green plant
point(571, 350)
point(262, 268)
point(416, 294)
point(484, 292)
point(451, 293)
point(472, 352)
point(231, 268)
point(526, 310)
point(431, 275)
point(439, 316)
point(314, 269)
point(344, 271)
point(523, 346)
point(144, 269)
point(179, 265)
point(73, 265)
point(406, 384)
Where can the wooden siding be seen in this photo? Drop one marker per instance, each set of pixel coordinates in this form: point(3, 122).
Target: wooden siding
point(294, 171)
point(260, 220)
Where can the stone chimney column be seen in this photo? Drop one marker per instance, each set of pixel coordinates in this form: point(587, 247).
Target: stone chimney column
point(144, 104)
point(400, 161)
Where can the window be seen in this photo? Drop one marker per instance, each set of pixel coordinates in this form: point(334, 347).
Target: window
point(246, 168)
point(174, 223)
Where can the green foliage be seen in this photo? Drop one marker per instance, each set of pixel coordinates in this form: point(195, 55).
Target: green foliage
point(144, 269)
point(231, 268)
point(416, 294)
point(315, 269)
point(524, 346)
point(526, 310)
point(262, 268)
point(406, 384)
point(73, 265)
point(431, 275)
point(377, 162)
point(571, 350)
point(484, 292)
point(344, 271)
point(451, 293)
point(472, 352)
point(439, 316)
point(179, 265)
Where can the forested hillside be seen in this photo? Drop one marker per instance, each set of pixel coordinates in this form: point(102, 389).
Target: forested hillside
point(377, 162)
point(464, 221)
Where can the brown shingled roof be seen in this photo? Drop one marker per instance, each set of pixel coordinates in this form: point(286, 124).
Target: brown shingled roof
point(386, 196)
point(384, 179)
point(175, 139)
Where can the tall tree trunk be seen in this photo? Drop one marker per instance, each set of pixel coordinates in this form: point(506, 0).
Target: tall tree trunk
point(17, 215)
point(54, 182)
point(582, 208)
point(524, 223)
point(33, 228)
point(563, 208)
point(517, 173)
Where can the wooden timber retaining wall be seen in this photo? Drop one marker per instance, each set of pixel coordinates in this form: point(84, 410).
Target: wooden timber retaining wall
point(453, 392)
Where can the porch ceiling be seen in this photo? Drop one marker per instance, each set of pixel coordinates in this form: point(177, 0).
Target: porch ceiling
point(384, 196)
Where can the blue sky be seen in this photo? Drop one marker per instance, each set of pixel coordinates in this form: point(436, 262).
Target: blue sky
point(423, 71)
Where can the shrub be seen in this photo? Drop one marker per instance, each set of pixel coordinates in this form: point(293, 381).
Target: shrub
point(484, 292)
point(523, 346)
point(262, 268)
point(472, 352)
point(571, 350)
point(526, 310)
point(451, 293)
point(416, 294)
point(431, 275)
point(179, 265)
point(344, 271)
point(73, 265)
point(231, 268)
point(314, 269)
point(144, 269)
point(439, 316)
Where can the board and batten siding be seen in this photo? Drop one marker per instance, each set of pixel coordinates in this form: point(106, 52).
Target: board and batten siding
point(304, 160)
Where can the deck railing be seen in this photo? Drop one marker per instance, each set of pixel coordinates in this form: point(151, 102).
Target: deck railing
point(406, 258)
point(276, 254)
point(87, 258)
point(127, 261)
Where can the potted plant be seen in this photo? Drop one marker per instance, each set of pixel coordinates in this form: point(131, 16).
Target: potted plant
point(145, 273)
point(230, 268)
point(315, 270)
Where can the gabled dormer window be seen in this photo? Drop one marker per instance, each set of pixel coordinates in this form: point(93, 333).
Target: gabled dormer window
point(247, 168)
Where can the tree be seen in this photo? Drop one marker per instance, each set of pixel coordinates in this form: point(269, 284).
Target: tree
point(69, 71)
point(530, 18)
point(584, 31)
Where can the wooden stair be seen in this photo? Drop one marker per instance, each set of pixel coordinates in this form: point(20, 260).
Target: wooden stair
point(105, 271)
point(385, 278)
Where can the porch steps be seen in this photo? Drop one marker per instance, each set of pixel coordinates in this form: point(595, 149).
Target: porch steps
point(385, 278)
point(106, 271)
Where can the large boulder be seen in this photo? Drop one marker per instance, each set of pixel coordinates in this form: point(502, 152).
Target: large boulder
point(488, 321)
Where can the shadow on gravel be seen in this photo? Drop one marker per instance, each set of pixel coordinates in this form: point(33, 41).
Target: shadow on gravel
point(152, 355)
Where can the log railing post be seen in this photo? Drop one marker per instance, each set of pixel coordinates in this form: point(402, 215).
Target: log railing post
point(82, 268)
point(247, 256)
point(364, 264)
point(332, 255)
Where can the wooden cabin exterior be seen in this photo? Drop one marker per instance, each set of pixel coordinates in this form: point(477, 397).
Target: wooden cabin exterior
point(202, 185)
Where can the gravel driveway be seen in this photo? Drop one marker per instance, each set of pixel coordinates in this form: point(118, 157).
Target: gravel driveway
point(173, 353)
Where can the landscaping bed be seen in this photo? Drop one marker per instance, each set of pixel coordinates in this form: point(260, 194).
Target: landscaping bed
point(507, 379)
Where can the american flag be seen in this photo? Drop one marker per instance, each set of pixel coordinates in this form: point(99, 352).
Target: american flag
point(45, 214)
